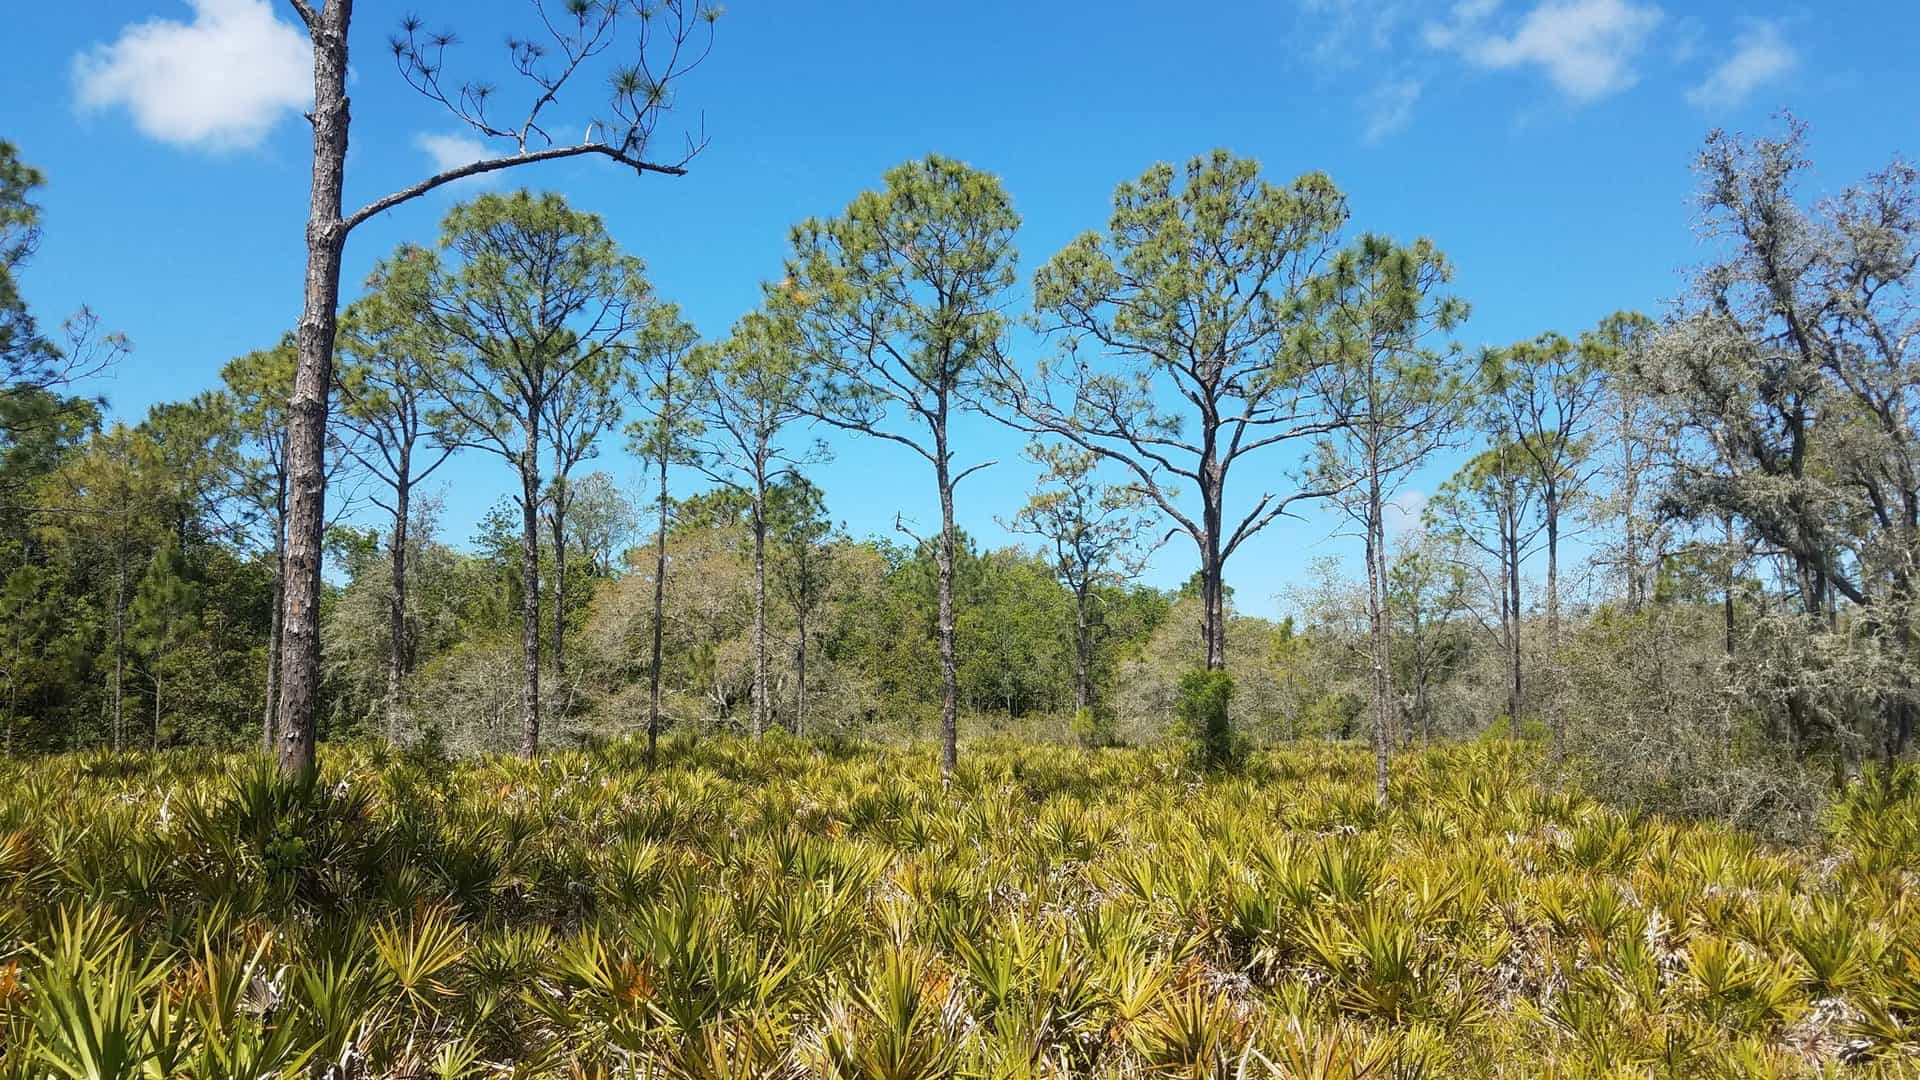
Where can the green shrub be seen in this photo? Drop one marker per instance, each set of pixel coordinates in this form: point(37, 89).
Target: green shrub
point(1201, 718)
point(1094, 728)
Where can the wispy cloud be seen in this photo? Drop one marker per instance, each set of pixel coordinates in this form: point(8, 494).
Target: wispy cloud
point(219, 82)
point(1761, 55)
point(1403, 515)
point(1350, 28)
point(1388, 108)
point(1588, 49)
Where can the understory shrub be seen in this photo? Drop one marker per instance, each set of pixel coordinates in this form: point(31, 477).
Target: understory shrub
point(1202, 719)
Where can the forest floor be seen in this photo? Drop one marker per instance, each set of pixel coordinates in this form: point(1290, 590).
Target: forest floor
point(786, 909)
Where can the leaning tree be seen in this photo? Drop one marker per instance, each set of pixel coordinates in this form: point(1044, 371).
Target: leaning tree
point(658, 41)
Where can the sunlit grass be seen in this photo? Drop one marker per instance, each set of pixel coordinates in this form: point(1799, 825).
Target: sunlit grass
point(788, 910)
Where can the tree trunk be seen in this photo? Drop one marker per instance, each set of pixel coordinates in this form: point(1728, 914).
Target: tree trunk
point(156, 709)
point(1213, 599)
point(659, 614)
point(1552, 506)
point(1727, 590)
point(760, 606)
point(1510, 541)
point(1630, 498)
point(949, 668)
point(313, 378)
point(119, 644)
point(1083, 651)
point(800, 675)
point(1423, 706)
point(530, 597)
point(558, 520)
point(400, 644)
point(1377, 631)
point(270, 719)
point(270, 714)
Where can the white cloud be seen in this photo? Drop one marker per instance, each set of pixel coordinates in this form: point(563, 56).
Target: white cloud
point(1388, 108)
point(1761, 55)
point(219, 82)
point(1587, 48)
point(454, 150)
point(451, 151)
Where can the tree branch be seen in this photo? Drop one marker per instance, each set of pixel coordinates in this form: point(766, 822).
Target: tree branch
point(478, 168)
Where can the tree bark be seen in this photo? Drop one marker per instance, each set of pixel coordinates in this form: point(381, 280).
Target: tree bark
point(400, 644)
point(1552, 507)
point(530, 596)
point(119, 644)
point(659, 610)
point(1630, 498)
point(1213, 618)
point(313, 377)
point(1377, 631)
point(949, 673)
point(1083, 651)
point(269, 723)
point(156, 710)
point(800, 675)
point(557, 518)
point(1727, 612)
point(1510, 542)
point(269, 719)
point(760, 604)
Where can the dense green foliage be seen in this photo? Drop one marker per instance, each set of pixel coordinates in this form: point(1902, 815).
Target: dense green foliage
point(785, 908)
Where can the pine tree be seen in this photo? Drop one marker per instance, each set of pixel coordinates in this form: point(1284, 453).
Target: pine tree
point(161, 619)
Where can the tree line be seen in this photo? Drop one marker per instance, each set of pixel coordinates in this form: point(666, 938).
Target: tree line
point(1748, 452)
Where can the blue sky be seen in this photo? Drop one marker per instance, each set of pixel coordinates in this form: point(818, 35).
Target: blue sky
point(1543, 145)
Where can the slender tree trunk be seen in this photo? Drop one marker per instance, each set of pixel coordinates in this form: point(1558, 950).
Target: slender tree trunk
point(1727, 613)
point(400, 646)
point(659, 613)
point(1630, 497)
point(530, 596)
point(1082, 651)
point(1553, 619)
point(557, 519)
point(800, 675)
point(1511, 542)
point(270, 715)
point(949, 667)
point(119, 644)
point(1423, 706)
point(760, 605)
point(156, 710)
point(1377, 630)
point(270, 719)
point(313, 379)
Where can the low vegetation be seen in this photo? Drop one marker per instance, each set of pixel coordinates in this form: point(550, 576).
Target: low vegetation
point(790, 909)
